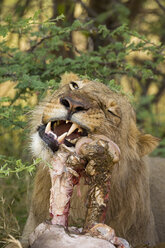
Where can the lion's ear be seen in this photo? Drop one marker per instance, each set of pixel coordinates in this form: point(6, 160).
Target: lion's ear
point(147, 143)
point(68, 77)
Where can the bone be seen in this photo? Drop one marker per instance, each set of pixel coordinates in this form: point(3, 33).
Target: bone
point(82, 141)
point(53, 236)
point(113, 147)
point(61, 177)
point(62, 187)
point(101, 155)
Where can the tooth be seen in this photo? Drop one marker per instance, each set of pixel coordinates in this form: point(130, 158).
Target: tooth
point(67, 121)
point(55, 124)
point(54, 135)
point(72, 128)
point(48, 127)
point(73, 141)
point(58, 123)
point(62, 137)
point(80, 130)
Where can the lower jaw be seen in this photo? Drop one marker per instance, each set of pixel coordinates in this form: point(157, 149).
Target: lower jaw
point(54, 145)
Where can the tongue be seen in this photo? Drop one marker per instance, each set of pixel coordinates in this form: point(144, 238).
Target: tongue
point(62, 128)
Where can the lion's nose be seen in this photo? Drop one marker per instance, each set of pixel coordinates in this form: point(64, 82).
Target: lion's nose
point(73, 105)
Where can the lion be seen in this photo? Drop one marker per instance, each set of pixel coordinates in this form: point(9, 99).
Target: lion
point(91, 108)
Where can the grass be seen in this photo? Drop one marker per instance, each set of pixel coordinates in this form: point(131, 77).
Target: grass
point(14, 204)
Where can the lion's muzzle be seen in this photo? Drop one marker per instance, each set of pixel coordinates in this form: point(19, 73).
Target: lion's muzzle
point(60, 132)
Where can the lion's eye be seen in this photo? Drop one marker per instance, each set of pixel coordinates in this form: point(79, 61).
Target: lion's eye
point(113, 113)
point(74, 85)
point(114, 110)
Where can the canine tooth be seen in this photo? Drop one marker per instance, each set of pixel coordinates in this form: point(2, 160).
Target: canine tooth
point(67, 121)
point(48, 127)
point(58, 123)
point(62, 137)
point(72, 128)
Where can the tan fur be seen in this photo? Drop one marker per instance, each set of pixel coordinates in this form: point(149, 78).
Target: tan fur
point(129, 209)
point(66, 78)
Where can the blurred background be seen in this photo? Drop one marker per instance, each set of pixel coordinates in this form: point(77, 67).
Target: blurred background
point(118, 42)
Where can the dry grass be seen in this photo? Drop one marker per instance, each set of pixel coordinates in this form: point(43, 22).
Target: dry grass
point(14, 204)
point(8, 222)
point(14, 241)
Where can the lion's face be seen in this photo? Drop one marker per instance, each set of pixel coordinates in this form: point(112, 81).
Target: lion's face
point(81, 108)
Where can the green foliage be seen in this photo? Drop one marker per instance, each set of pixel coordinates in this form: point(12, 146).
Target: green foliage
point(114, 86)
point(11, 165)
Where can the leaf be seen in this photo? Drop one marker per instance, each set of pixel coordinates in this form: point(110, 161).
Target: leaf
point(3, 31)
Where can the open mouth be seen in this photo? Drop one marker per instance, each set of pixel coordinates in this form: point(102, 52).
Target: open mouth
point(59, 132)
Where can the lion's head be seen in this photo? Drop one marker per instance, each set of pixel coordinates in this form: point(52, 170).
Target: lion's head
point(83, 107)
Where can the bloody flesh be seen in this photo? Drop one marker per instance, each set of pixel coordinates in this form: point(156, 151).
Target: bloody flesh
point(63, 182)
point(99, 155)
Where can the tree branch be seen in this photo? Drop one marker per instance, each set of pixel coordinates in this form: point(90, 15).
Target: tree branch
point(160, 5)
point(39, 43)
point(159, 93)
